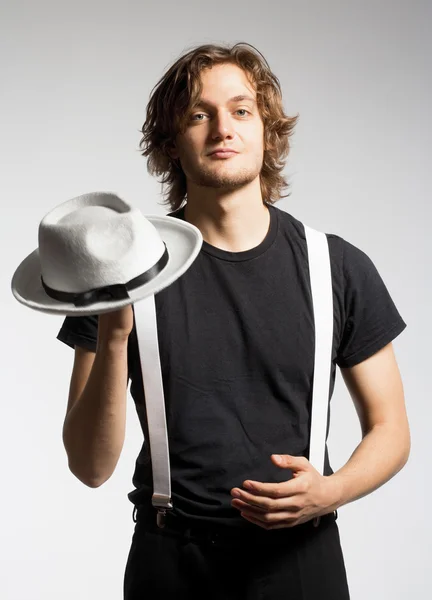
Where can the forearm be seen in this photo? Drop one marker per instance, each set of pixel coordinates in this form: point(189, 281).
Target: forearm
point(382, 453)
point(94, 429)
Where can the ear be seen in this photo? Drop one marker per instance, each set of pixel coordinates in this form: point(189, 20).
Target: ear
point(172, 152)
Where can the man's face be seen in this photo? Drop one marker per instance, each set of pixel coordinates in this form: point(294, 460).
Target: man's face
point(223, 120)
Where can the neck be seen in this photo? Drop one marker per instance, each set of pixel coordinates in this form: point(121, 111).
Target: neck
point(234, 221)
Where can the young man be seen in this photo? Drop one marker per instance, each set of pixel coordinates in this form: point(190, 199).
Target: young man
point(236, 339)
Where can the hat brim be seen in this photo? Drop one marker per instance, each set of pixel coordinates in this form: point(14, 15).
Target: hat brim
point(183, 241)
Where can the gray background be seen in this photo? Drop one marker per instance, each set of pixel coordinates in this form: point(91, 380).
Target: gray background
point(75, 82)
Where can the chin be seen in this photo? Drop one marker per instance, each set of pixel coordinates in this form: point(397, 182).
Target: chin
point(220, 174)
point(232, 182)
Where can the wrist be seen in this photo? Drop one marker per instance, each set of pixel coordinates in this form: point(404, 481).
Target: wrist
point(335, 491)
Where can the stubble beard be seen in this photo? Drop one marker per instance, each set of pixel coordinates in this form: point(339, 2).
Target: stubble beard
point(218, 179)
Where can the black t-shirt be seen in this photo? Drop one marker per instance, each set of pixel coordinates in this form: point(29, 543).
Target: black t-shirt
point(236, 340)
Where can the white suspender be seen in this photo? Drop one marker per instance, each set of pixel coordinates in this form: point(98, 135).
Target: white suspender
point(148, 346)
point(322, 301)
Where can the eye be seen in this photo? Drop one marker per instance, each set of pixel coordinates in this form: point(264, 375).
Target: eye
point(197, 115)
point(244, 110)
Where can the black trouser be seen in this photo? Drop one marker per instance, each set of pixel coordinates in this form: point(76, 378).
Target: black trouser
point(180, 562)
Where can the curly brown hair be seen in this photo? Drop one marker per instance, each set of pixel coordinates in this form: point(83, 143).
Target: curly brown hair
point(180, 88)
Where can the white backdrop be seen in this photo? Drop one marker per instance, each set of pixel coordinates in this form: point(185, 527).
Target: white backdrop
point(76, 78)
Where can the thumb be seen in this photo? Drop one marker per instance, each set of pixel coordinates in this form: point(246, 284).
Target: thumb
point(287, 461)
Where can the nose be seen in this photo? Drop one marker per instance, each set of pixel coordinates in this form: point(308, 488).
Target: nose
point(222, 127)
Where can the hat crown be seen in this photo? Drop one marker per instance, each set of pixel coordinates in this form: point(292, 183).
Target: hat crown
point(96, 240)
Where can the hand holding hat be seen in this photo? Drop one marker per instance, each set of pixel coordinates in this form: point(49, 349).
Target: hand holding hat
point(97, 254)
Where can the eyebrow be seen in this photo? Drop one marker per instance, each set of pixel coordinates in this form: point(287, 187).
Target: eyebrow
point(239, 98)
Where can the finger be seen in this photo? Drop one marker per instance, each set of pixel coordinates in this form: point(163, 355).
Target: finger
point(295, 463)
point(268, 495)
point(271, 521)
point(240, 505)
point(260, 503)
point(259, 509)
point(273, 490)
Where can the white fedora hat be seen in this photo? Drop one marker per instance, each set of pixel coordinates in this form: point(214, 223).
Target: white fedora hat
point(97, 254)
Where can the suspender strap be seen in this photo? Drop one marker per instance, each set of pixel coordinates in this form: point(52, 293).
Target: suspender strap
point(148, 345)
point(322, 301)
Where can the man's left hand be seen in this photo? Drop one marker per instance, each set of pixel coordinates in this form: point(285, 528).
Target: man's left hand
point(276, 505)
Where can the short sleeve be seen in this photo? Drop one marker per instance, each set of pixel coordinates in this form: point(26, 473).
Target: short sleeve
point(371, 318)
point(79, 331)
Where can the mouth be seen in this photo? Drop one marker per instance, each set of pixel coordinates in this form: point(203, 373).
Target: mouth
point(223, 153)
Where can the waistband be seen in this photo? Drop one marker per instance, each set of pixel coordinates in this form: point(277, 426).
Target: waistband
point(174, 525)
